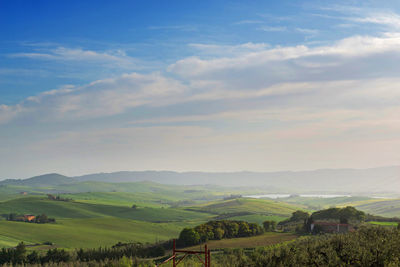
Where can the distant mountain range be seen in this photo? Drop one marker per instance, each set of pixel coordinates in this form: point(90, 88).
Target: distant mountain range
point(374, 180)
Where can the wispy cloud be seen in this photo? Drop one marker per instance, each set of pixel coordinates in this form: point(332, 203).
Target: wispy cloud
point(188, 28)
point(78, 54)
point(246, 22)
point(311, 32)
point(273, 28)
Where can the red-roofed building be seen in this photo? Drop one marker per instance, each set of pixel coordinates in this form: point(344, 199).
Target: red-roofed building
point(29, 218)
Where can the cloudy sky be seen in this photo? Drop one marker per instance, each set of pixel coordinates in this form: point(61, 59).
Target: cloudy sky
point(198, 85)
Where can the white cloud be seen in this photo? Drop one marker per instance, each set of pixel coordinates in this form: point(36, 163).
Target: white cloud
point(340, 74)
point(273, 28)
point(248, 21)
point(77, 54)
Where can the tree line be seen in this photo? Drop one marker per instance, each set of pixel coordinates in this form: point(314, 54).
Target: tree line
point(216, 230)
point(41, 218)
point(20, 255)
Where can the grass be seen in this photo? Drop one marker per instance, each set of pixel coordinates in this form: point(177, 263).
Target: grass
point(258, 218)
point(61, 209)
point(95, 219)
point(266, 239)
point(120, 199)
point(94, 232)
point(255, 206)
point(394, 224)
point(318, 203)
point(382, 207)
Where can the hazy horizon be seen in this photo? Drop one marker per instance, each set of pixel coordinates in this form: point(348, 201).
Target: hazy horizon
point(213, 86)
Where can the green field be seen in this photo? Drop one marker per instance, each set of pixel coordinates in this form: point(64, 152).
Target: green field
point(263, 240)
point(105, 218)
point(92, 225)
point(94, 232)
point(258, 218)
point(101, 214)
point(387, 208)
point(393, 224)
point(62, 209)
point(249, 205)
point(376, 206)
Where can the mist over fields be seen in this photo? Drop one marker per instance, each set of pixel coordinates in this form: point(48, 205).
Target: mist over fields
point(358, 181)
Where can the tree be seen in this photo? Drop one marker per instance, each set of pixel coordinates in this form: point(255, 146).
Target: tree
point(19, 256)
point(12, 217)
point(33, 257)
point(244, 229)
point(299, 216)
point(189, 237)
point(134, 206)
point(218, 233)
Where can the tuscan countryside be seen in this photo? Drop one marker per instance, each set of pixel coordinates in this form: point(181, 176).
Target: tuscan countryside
point(193, 133)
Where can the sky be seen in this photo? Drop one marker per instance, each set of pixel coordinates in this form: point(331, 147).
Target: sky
point(102, 86)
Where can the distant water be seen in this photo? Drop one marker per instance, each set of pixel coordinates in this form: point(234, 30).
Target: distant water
point(275, 196)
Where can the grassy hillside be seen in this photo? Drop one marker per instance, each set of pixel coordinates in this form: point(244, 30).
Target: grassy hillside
point(266, 239)
point(387, 208)
point(94, 232)
point(317, 203)
point(248, 205)
point(92, 225)
point(61, 209)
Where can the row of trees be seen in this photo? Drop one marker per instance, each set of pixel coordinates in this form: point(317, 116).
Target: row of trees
point(216, 230)
point(20, 255)
point(300, 221)
point(58, 198)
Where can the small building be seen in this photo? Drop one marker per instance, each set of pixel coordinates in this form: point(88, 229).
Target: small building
point(29, 217)
point(331, 227)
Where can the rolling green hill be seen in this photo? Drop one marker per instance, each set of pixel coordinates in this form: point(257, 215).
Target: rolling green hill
point(94, 232)
point(62, 209)
point(247, 206)
point(382, 207)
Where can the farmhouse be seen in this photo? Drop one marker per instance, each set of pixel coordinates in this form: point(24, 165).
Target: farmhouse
point(29, 217)
point(331, 227)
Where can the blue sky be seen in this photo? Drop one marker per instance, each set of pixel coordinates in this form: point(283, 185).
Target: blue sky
point(89, 86)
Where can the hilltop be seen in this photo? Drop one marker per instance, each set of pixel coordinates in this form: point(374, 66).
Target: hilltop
point(374, 180)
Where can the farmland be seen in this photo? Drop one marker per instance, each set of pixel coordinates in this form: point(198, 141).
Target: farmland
point(95, 219)
point(97, 213)
point(266, 239)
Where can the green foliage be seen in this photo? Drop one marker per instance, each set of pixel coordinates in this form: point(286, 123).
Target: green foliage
point(125, 262)
point(269, 226)
point(344, 215)
point(189, 237)
point(372, 246)
point(216, 230)
point(250, 206)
